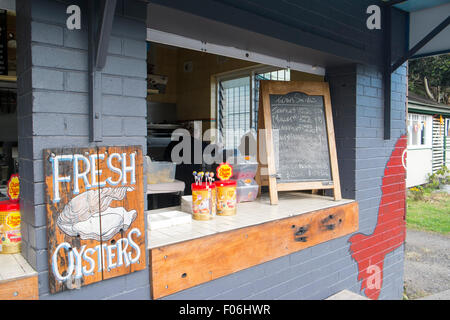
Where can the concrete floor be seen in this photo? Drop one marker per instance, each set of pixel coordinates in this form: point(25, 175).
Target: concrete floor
point(427, 265)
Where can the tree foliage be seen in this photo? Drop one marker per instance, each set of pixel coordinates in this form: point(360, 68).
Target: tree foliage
point(436, 70)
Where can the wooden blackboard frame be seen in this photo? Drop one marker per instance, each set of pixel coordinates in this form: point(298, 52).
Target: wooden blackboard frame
point(267, 88)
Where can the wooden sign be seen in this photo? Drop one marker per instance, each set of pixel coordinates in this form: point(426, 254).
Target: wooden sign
point(95, 214)
point(299, 143)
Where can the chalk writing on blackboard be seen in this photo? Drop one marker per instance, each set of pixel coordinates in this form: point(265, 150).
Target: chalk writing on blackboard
point(300, 138)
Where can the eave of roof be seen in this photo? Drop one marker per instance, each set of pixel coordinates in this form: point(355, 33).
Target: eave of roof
point(421, 104)
point(416, 5)
point(426, 109)
point(417, 99)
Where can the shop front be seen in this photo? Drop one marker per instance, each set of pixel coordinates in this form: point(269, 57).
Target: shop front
point(217, 151)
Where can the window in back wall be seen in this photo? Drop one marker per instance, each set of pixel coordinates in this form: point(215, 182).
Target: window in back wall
point(419, 130)
point(238, 100)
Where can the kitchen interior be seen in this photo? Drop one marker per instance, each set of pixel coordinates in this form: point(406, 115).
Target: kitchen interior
point(11, 262)
point(197, 91)
point(182, 94)
point(8, 100)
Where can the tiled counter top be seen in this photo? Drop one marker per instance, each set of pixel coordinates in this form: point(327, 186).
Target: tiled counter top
point(248, 214)
point(187, 255)
point(13, 267)
point(18, 280)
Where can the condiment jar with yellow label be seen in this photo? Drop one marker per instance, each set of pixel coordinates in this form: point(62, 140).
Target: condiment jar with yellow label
point(226, 197)
point(10, 235)
point(203, 201)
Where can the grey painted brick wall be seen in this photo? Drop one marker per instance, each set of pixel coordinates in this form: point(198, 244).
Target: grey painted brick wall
point(322, 270)
point(373, 153)
point(53, 112)
point(336, 27)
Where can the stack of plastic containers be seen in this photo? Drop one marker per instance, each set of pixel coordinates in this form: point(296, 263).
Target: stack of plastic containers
point(244, 171)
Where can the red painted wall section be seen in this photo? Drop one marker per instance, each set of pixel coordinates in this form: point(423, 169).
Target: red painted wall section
point(369, 250)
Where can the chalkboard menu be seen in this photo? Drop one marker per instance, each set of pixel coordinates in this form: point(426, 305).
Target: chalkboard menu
point(296, 148)
point(300, 138)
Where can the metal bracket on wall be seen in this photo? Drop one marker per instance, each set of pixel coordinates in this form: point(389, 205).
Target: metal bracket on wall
point(99, 35)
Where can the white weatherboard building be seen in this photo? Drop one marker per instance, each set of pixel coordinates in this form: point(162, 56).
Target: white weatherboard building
point(428, 126)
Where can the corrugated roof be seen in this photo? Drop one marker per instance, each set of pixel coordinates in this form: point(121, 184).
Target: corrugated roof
point(420, 103)
point(414, 97)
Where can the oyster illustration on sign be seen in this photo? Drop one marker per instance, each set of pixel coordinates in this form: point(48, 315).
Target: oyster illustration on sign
point(90, 216)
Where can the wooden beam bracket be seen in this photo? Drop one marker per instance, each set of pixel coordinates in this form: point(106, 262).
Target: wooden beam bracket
point(421, 44)
point(99, 35)
point(387, 71)
point(104, 33)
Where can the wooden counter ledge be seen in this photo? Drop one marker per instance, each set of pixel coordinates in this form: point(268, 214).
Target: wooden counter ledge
point(187, 255)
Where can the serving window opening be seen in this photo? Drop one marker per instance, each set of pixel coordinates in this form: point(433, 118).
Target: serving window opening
point(199, 91)
point(218, 100)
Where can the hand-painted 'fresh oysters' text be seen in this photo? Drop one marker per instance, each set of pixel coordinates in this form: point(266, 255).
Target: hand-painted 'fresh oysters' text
point(95, 214)
point(90, 163)
point(115, 255)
